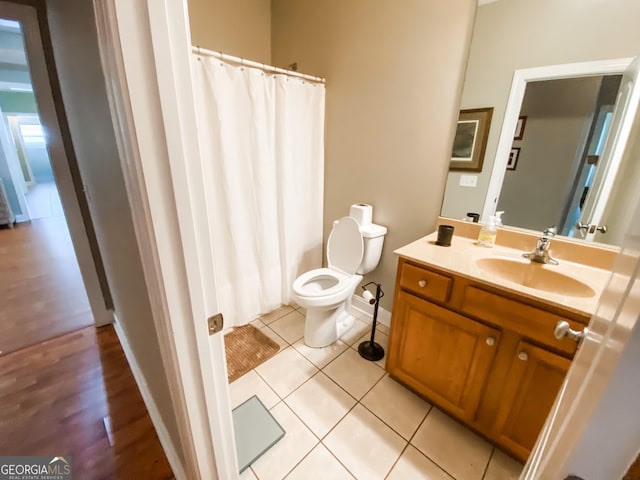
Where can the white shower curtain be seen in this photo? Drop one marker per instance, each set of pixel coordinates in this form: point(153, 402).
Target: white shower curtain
point(261, 139)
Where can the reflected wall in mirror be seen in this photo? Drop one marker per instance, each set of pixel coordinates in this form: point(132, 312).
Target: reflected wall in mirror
point(513, 35)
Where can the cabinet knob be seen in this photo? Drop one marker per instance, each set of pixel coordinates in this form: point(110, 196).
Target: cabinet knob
point(563, 329)
point(524, 356)
point(422, 283)
point(491, 341)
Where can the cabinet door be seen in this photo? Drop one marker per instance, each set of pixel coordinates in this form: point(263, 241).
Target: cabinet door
point(533, 381)
point(443, 355)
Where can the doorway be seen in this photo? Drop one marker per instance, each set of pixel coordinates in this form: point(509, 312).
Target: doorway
point(44, 290)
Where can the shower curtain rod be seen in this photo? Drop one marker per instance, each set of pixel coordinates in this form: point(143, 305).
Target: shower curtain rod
point(249, 63)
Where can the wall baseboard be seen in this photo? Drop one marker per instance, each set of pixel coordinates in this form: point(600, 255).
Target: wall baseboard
point(364, 311)
point(156, 419)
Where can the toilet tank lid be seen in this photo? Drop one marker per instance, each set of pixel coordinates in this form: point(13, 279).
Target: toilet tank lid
point(372, 230)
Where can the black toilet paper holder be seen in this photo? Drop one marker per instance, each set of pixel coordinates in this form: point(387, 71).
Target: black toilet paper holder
point(369, 349)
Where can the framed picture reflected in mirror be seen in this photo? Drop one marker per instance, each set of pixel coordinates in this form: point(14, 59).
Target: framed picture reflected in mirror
point(513, 158)
point(470, 141)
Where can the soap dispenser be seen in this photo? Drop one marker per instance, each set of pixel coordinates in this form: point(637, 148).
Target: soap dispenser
point(499, 218)
point(488, 232)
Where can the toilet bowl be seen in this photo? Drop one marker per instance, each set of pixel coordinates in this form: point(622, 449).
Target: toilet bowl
point(326, 292)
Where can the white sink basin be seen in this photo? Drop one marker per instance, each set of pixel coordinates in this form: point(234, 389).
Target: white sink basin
point(535, 275)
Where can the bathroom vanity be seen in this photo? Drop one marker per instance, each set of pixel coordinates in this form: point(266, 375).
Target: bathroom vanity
point(473, 332)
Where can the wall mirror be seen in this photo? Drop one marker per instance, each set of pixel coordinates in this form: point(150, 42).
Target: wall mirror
point(562, 146)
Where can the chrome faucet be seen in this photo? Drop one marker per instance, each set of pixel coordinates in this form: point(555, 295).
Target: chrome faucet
point(541, 253)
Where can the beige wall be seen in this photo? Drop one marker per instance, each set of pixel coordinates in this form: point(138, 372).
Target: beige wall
point(516, 34)
point(75, 45)
point(393, 86)
point(237, 27)
point(559, 115)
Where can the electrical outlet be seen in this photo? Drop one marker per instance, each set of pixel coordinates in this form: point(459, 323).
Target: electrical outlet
point(468, 180)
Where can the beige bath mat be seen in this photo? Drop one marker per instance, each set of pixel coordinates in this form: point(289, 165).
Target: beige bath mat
point(247, 347)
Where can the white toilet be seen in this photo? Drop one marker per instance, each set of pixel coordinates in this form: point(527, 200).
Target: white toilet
point(352, 251)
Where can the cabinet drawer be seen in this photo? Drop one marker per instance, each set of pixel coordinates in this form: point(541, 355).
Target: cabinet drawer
point(523, 319)
point(425, 283)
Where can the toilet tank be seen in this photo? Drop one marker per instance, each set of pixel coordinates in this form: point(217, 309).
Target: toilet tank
point(373, 238)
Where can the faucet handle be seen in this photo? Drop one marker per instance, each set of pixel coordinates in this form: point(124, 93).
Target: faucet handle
point(550, 231)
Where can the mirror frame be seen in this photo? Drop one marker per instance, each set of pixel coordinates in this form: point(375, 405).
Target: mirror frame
point(514, 104)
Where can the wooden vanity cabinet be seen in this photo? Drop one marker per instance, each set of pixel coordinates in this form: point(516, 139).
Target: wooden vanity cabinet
point(534, 379)
point(486, 358)
point(441, 354)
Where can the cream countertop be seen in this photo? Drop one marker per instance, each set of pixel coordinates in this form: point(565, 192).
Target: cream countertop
point(460, 259)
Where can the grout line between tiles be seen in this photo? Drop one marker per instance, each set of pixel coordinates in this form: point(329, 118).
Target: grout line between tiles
point(311, 450)
point(337, 459)
point(486, 467)
point(329, 432)
point(266, 383)
point(414, 446)
point(397, 460)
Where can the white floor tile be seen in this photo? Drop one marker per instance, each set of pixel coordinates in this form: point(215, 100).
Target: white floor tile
point(353, 373)
point(320, 357)
point(456, 449)
point(320, 404)
point(276, 314)
point(284, 455)
point(320, 465)
point(396, 406)
point(383, 328)
point(359, 328)
point(503, 467)
point(257, 323)
point(413, 465)
point(282, 343)
point(286, 371)
point(251, 384)
point(290, 327)
point(381, 339)
point(248, 475)
point(365, 445)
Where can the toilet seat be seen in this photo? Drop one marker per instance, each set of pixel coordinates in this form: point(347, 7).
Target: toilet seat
point(310, 284)
point(345, 248)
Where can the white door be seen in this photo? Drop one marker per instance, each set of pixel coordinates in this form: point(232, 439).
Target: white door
point(609, 162)
point(171, 39)
point(565, 439)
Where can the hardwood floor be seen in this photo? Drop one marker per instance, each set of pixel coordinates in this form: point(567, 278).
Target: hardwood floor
point(41, 291)
point(75, 395)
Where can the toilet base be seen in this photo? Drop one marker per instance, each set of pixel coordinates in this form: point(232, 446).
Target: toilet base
point(324, 326)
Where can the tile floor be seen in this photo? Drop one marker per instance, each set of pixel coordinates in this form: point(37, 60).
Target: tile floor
point(345, 418)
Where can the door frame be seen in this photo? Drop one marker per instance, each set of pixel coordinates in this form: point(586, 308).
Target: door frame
point(152, 106)
point(514, 104)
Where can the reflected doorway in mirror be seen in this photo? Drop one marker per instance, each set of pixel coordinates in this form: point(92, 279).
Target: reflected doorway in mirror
point(470, 142)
